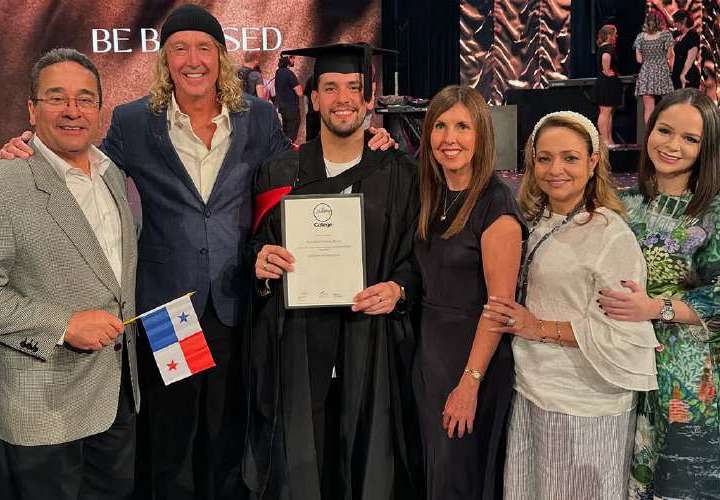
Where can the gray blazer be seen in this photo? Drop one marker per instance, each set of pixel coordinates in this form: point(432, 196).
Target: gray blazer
point(51, 265)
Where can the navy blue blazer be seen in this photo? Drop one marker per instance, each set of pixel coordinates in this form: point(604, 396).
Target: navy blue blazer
point(185, 244)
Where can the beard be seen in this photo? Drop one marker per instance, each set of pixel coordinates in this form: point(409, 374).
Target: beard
point(346, 129)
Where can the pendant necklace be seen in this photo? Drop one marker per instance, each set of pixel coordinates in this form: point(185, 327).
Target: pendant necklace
point(447, 207)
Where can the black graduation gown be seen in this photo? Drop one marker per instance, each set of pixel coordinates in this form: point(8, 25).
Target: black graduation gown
point(378, 427)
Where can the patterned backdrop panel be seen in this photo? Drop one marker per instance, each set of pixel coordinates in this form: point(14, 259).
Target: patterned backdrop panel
point(513, 43)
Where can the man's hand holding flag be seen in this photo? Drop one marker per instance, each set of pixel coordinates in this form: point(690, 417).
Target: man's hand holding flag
point(176, 339)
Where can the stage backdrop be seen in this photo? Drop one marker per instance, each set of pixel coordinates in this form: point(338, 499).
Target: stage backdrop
point(121, 38)
point(512, 43)
point(524, 44)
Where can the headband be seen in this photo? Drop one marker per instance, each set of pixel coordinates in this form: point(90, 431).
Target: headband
point(574, 117)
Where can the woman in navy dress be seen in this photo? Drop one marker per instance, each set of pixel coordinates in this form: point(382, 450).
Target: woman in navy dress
point(468, 247)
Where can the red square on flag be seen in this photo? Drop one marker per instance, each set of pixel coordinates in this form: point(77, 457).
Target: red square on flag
point(197, 353)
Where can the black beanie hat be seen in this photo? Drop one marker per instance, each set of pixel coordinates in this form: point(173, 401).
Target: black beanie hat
point(191, 17)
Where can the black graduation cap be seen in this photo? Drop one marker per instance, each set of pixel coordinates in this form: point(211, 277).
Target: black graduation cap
point(343, 58)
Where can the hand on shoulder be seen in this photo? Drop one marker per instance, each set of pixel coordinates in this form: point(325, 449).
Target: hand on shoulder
point(17, 147)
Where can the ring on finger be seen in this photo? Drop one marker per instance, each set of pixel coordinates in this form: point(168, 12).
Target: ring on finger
point(510, 322)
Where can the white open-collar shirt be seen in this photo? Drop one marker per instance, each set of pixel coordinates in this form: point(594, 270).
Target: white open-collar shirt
point(201, 163)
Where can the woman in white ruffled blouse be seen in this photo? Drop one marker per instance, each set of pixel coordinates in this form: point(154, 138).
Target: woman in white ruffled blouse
point(577, 371)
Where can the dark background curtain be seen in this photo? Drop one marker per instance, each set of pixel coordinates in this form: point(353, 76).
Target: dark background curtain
point(587, 17)
point(427, 34)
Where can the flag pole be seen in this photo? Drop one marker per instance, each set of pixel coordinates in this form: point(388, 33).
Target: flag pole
point(135, 318)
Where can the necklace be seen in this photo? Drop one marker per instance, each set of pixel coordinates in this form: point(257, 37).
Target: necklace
point(447, 207)
point(530, 255)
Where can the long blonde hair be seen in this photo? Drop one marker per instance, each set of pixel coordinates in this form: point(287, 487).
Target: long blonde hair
point(600, 189)
point(432, 179)
point(228, 86)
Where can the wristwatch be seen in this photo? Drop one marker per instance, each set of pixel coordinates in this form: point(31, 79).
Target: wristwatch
point(667, 313)
point(401, 306)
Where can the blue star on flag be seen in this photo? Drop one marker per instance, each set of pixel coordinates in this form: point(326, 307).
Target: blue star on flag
point(184, 317)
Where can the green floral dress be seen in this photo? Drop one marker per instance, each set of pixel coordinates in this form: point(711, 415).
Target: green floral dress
point(677, 443)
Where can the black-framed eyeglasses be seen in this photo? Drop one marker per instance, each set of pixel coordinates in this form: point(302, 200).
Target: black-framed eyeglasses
point(82, 102)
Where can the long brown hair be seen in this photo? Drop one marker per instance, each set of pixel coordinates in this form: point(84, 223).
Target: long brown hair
point(605, 33)
point(653, 22)
point(432, 178)
point(600, 190)
point(704, 180)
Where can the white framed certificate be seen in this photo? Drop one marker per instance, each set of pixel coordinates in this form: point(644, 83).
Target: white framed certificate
point(326, 235)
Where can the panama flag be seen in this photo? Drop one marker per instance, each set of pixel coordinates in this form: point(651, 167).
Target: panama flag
point(177, 341)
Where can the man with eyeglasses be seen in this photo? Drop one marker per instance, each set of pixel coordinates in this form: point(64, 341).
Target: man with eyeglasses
point(68, 376)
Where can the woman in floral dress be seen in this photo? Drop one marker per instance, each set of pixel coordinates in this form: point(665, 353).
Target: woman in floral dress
point(653, 50)
point(675, 215)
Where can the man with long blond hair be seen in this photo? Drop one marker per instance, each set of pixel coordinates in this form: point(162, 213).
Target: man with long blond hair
point(188, 148)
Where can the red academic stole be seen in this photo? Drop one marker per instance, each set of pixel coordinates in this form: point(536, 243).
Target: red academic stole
point(266, 201)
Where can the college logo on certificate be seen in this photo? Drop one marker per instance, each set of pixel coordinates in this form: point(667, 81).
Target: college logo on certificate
point(322, 213)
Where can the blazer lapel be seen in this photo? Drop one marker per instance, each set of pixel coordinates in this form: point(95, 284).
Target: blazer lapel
point(127, 227)
point(161, 136)
point(65, 211)
point(238, 140)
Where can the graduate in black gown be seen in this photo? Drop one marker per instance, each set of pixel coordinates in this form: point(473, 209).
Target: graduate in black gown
point(468, 247)
point(331, 404)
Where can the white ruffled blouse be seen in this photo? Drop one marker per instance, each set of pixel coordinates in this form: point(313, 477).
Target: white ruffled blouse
point(615, 358)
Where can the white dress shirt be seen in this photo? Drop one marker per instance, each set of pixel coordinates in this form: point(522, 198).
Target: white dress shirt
point(95, 200)
point(614, 358)
point(201, 163)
